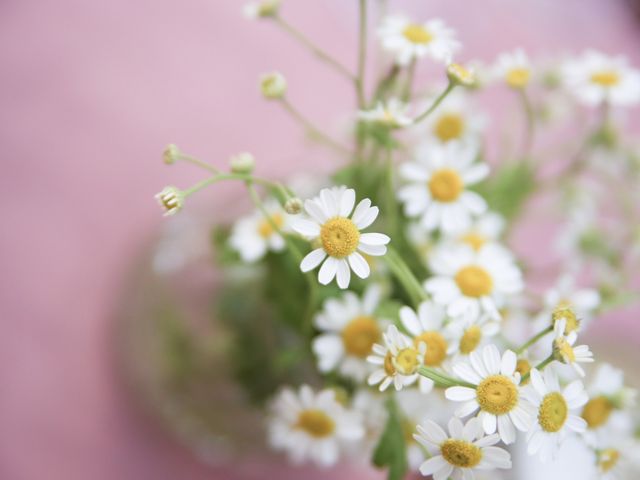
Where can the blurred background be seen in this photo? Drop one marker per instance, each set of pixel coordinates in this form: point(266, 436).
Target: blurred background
point(90, 94)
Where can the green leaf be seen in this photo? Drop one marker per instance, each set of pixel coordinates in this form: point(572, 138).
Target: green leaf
point(391, 449)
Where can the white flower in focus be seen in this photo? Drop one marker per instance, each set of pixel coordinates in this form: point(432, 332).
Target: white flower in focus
point(461, 452)
point(513, 69)
point(470, 283)
point(595, 78)
point(349, 329)
point(262, 9)
point(340, 239)
point(409, 41)
point(391, 114)
point(455, 120)
point(253, 236)
point(565, 352)
point(554, 406)
point(427, 326)
point(397, 361)
point(171, 199)
point(312, 426)
point(496, 393)
point(437, 187)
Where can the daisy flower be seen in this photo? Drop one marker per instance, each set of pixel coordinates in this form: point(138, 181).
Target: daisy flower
point(513, 69)
point(391, 114)
point(397, 361)
point(437, 187)
point(253, 236)
point(468, 334)
point(470, 283)
point(565, 352)
point(349, 330)
point(595, 78)
point(485, 229)
point(312, 426)
point(408, 41)
point(454, 120)
point(371, 406)
point(496, 392)
point(262, 9)
point(426, 326)
point(339, 236)
point(554, 406)
point(461, 452)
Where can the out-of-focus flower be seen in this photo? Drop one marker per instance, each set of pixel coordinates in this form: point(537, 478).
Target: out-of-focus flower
point(273, 85)
point(461, 75)
point(171, 199)
point(455, 120)
point(262, 9)
point(514, 69)
point(242, 163)
point(391, 114)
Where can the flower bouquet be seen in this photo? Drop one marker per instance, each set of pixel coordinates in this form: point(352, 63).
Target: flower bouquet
point(381, 316)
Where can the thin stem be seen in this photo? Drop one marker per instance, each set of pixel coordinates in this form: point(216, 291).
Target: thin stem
point(408, 86)
point(441, 379)
point(540, 366)
point(530, 120)
point(321, 54)
point(232, 176)
point(362, 54)
point(435, 103)
point(533, 340)
point(307, 125)
point(198, 162)
point(406, 277)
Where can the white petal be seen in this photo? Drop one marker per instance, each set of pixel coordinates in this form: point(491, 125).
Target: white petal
point(306, 228)
point(433, 465)
point(373, 250)
point(506, 429)
point(315, 211)
point(410, 321)
point(374, 239)
point(489, 422)
point(347, 201)
point(359, 265)
point(328, 270)
point(460, 394)
point(509, 361)
point(455, 427)
point(312, 260)
point(343, 273)
point(491, 358)
point(432, 432)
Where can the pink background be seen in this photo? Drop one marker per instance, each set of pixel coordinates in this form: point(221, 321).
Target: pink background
point(90, 94)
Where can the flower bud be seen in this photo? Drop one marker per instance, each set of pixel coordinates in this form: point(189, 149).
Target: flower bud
point(293, 206)
point(460, 75)
point(171, 154)
point(242, 163)
point(262, 9)
point(171, 199)
point(273, 85)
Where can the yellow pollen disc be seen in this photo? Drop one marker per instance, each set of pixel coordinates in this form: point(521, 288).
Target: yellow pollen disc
point(474, 281)
point(605, 78)
point(564, 310)
point(417, 34)
point(461, 453)
point(497, 395)
point(597, 411)
point(436, 347)
point(470, 339)
point(474, 239)
point(553, 412)
point(389, 369)
point(523, 367)
point(607, 459)
point(561, 347)
point(406, 362)
point(449, 126)
point(316, 423)
point(445, 185)
point(359, 336)
point(265, 229)
point(339, 237)
point(518, 77)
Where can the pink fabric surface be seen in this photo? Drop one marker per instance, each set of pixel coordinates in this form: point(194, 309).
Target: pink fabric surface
point(90, 93)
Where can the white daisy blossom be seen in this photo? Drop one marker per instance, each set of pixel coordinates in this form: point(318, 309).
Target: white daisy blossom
point(341, 242)
point(513, 68)
point(312, 426)
point(462, 451)
point(408, 41)
point(595, 78)
point(554, 418)
point(483, 230)
point(253, 236)
point(437, 187)
point(397, 361)
point(467, 335)
point(496, 392)
point(349, 331)
point(470, 283)
point(392, 114)
point(565, 352)
point(426, 326)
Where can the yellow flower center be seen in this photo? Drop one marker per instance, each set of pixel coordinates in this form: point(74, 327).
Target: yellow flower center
point(564, 350)
point(406, 362)
point(606, 78)
point(265, 229)
point(474, 239)
point(597, 411)
point(359, 336)
point(445, 185)
point(339, 237)
point(316, 423)
point(523, 367)
point(607, 459)
point(553, 412)
point(449, 127)
point(436, 347)
point(518, 77)
point(564, 310)
point(389, 369)
point(417, 34)
point(497, 395)
point(461, 453)
point(474, 281)
point(470, 339)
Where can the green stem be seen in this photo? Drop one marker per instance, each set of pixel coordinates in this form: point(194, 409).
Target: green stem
point(530, 120)
point(232, 176)
point(197, 162)
point(441, 379)
point(540, 366)
point(435, 103)
point(408, 86)
point(362, 54)
point(533, 339)
point(406, 277)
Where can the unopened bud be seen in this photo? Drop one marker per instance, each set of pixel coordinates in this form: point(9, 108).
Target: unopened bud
point(293, 206)
point(262, 9)
point(242, 163)
point(171, 154)
point(273, 85)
